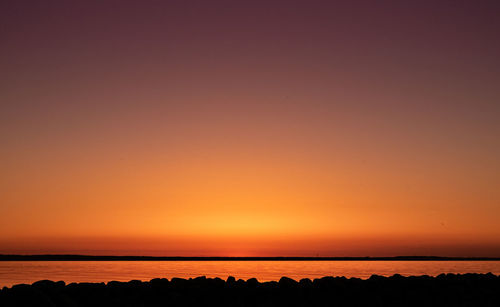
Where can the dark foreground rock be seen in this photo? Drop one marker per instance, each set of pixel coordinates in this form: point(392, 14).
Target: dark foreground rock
point(443, 290)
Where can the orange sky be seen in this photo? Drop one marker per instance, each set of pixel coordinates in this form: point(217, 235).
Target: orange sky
point(175, 129)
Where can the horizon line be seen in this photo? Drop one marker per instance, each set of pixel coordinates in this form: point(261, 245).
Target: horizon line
point(79, 257)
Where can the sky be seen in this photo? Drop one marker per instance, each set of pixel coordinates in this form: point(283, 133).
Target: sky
point(250, 128)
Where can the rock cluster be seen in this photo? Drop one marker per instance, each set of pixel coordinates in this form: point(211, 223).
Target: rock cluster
point(443, 290)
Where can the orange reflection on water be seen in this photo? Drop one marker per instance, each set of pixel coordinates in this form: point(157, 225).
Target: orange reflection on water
point(16, 272)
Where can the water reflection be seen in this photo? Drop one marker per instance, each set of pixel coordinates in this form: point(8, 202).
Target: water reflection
point(15, 272)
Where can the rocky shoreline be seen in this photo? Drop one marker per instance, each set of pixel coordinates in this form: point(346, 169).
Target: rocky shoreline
point(442, 290)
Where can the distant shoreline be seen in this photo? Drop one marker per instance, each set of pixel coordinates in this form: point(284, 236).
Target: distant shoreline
point(179, 258)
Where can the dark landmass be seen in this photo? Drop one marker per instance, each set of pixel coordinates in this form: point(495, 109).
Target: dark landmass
point(443, 290)
point(153, 258)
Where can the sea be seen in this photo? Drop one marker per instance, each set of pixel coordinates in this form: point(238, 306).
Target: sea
point(27, 272)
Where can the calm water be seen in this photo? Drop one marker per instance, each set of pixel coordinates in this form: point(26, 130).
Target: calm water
point(16, 272)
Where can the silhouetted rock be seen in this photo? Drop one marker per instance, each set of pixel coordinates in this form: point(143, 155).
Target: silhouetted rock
point(397, 290)
point(159, 281)
point(252, 282)
point(287, 282)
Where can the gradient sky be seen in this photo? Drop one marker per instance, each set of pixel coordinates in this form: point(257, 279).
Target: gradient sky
point(250, 128)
